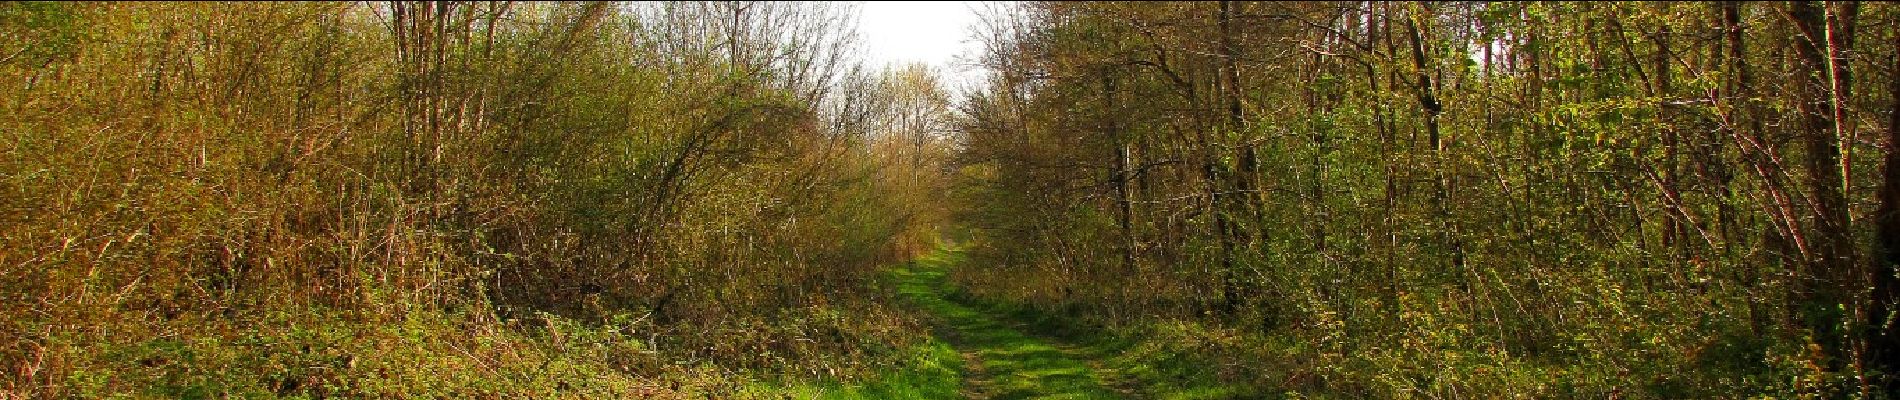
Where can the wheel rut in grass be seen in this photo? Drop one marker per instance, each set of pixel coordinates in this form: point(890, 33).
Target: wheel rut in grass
point(1001, 360)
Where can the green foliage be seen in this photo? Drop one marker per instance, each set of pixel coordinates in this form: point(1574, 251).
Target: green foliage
point(314, 353)
point(1440, 199)
point(42, 31)
point(1170, 199)
point(930, 372)
point(453, 199)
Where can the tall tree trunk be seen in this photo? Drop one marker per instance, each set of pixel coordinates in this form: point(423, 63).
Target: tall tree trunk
point(1884, 344)
point(1232, 235)
point(1841, 18)
point(1428, 101)
point(1739, 91)
point(1673, 231)
point(1248, 178)
point(1814, 98)
point(1124, 204)
point(1824, 282)
point(1229, 278)
point(1379, 31)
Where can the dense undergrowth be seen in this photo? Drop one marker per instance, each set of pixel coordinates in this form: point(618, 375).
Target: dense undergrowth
point(1162, 360)
point(1180, 357)
point(928, 370)
point(449, 199)
point(1170, 199)
point(1452, 199)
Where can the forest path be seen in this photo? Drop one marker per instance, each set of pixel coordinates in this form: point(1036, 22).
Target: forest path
point(1001, 361)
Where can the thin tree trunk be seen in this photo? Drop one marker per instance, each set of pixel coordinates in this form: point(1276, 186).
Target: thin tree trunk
point(1738, 91)
point(1228, 231)
point(1123, 171)
point(1248, 179)
point(1673, 232)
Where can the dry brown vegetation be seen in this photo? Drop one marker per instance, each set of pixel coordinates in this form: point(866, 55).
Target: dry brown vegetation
point(1454, 199)
point(1190, 199)
point(444, 198)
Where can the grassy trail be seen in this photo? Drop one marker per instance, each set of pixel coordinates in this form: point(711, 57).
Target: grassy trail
point(983, 352)
point(1001, 361)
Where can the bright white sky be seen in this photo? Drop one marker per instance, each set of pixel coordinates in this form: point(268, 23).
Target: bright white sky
point(931, 32)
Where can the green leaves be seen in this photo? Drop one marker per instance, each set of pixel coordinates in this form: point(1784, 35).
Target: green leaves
point(33, 33)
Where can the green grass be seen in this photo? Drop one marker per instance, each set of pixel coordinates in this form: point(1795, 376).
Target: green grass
point(932, 373)
point(1011, 364)
point(1001, 351)
point(1157, 361)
